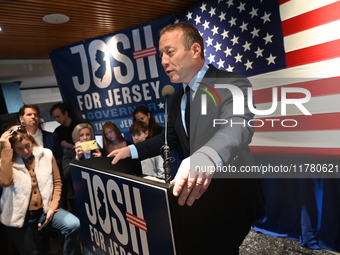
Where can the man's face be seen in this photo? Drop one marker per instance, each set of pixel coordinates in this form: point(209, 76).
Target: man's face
point(177, 62)
point(30, 118)
point(59, 116)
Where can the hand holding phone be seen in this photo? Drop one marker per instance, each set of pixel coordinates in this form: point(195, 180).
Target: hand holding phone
point(89, 145)
point(43, 221)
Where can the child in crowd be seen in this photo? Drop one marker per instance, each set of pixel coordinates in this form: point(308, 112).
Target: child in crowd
point(150, 166)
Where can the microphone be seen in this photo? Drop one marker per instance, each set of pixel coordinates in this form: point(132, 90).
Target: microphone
point(167, 93)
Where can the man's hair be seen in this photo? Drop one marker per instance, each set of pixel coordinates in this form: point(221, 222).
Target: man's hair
point(25, 106)
point(190, 35)
point(137, 127)
point(63, 108)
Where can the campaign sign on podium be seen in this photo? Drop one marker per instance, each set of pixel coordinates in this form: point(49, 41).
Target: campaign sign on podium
point(121, 214)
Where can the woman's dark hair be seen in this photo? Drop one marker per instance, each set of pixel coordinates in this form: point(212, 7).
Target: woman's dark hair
point(153, 126)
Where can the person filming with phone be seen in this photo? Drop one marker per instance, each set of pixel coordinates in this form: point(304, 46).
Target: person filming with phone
point(85, 147)
point(32, 188)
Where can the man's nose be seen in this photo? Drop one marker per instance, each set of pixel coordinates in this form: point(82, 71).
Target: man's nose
point(165, 61)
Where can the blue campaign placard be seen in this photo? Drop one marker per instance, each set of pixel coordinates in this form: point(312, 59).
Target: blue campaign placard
point(121, 215)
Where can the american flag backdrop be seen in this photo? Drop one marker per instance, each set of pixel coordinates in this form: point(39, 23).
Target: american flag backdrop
point(284, 43)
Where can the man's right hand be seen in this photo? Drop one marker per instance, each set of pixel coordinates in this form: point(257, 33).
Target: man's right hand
point(119, 154)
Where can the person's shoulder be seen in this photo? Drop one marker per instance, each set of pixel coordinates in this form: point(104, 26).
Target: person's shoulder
point(37, 150)
point(48, 133)
point(58, 129)
point(217, 73)
point(73, 124)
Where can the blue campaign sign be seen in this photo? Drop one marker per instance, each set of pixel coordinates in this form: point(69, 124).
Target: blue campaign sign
point(106, 78)
point(120, 215)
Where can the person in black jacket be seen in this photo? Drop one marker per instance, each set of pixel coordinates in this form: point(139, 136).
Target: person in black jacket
point(82, 132)
point(215, 215)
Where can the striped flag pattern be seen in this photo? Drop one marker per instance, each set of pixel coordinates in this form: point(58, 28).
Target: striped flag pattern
point(280, 44)
point(136, 221)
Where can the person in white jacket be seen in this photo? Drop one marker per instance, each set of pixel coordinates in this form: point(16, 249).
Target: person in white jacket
point(32, 188)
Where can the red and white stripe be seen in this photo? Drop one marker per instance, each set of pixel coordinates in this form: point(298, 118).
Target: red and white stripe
point(144, 53)
point(136, 221)
point(311, 30)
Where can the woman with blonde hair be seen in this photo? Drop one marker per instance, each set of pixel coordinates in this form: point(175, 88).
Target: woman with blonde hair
point(83, 132)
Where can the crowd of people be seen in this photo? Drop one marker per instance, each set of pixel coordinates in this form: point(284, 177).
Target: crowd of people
point(25, 148)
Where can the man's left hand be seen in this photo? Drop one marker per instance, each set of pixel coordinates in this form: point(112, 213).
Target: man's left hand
point(192, 178)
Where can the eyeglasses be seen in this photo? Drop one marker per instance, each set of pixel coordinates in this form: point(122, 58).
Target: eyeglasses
point(20, 129)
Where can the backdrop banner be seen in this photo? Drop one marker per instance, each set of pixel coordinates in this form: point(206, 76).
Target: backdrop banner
point(106, 78)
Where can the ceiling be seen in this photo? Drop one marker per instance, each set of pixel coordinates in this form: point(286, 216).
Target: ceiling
point(26, 39)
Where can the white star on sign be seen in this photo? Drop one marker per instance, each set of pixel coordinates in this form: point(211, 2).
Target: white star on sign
point(248, 64)
point(161, 105)
point(265, 17)
point(220, 63)
point(211, 58)
point(189, 15)
point(222, 16)
point(198, 19)
point(212, 12)
point(235, 40)
point(259, 52)
point(206, 25)
point(203, 7)
point(242, 7)
point(209, 41)
point(227, 52)
point(253, 12)
point(230, 68)
point(238, 58)
point(268, 38)
point(214, 30)
point(217, 46)
point(255, 32)
point(232, 22)
point(225, 34)
point(271, 59)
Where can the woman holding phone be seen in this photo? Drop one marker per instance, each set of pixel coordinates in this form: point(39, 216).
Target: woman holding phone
point(82, 133)
point(32, 187)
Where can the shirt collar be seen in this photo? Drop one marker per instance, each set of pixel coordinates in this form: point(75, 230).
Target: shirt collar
point(195, 81)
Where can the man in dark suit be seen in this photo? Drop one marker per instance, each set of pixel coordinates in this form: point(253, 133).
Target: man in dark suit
point(220, 209)
point(29, 117)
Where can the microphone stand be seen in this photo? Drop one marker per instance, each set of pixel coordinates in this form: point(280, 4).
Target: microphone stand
point(166, 149)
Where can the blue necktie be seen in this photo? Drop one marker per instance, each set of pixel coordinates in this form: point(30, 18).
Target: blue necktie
point(187, 109)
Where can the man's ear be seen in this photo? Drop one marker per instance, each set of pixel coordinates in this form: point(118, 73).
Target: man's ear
point(196, 49)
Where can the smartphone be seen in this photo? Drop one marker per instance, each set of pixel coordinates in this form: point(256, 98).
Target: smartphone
point(89, 145)
point(43, 221)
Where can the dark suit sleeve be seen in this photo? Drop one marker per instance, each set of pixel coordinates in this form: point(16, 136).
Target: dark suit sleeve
point(69, 157)
point(232, 139)
point(52, 142)
point(153, 146)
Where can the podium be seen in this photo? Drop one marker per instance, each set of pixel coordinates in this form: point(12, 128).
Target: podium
point(120, 212)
